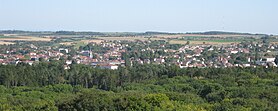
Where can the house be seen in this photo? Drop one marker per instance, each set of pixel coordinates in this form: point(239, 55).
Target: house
point(66, 67)
point(61, 50)
point(267, 61)
point(270, 59)
point(115, 62)
point(68, 62)
point(87, 53)
point(109, 66)
point(29, 62)
point(33, 46)
point(34, 58)
point(159, 60)
point(210, 49)
point(147, 61)
point(183, 66)
point(95, 63)
point(234, 52)
point(32, 54)
point(246, 65)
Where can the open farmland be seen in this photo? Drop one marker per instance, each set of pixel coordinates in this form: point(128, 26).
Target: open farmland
point(274, 42)
point(194, 39)
point(6, 43)
point(129, 38)
point(67, 43)
point(90, 41)
point(23, 38)
point(82, 41)
point(164, 36)
point(220, 35)
point(201, 35)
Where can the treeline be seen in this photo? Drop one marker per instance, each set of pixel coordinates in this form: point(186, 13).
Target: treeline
point(77, 33)
point(46, 86)
point(220, 33)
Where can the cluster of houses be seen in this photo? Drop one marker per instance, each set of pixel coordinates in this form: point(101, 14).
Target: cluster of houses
point(233, 55)
point(201, 56)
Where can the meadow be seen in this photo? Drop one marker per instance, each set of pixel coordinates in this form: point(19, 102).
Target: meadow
point(6, 43)
point(23, 38)
point(130, 38)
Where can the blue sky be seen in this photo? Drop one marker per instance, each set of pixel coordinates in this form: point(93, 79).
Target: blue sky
point(255, 16)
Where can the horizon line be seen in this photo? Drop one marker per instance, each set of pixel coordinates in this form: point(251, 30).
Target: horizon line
point(137, 31)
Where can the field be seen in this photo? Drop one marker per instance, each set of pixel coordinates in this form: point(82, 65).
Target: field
point(129, 38)
point(67, 43)
point(6, 36)
point(5, 43)
point(194, 39)
point(274, 43)
point(170, 36)
point(77, 44)
point(221, 35)
point(23, 38)
point(89, 41)
point(82, 41)
point(201, 35)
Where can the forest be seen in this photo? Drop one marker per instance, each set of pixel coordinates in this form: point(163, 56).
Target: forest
point(45, 86)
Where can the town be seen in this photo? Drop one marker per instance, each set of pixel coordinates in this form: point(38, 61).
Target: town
point(111, 54)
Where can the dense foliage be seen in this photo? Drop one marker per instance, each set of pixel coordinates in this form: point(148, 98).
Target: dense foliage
point(46, 86)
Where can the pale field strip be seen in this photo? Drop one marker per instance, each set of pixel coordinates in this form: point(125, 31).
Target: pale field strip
point(25, 38)
point(129, 38)
point(274, 43)
point(6, 43)
point(90, 41)
point(82, 41)
point(163, 37)
point(200, 35)
point(66, 43)
point(10, 34)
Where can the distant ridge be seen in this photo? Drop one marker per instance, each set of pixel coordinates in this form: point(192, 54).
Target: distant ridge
point(123, 33)
point(223, 33)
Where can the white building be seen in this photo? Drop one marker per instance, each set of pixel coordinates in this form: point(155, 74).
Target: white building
point(113, 67)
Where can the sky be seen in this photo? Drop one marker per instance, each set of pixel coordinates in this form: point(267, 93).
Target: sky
point(252, 16)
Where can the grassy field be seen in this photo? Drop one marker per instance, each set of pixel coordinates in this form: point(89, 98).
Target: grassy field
point(6, 43)
point(23, 38)
point(193, 37)
point(89, 41)
point(7, 36)
point(129, 38)
point(67, 43)
point(274, 43)
point(201, 35)
point(170, 36)
point(77, 44)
